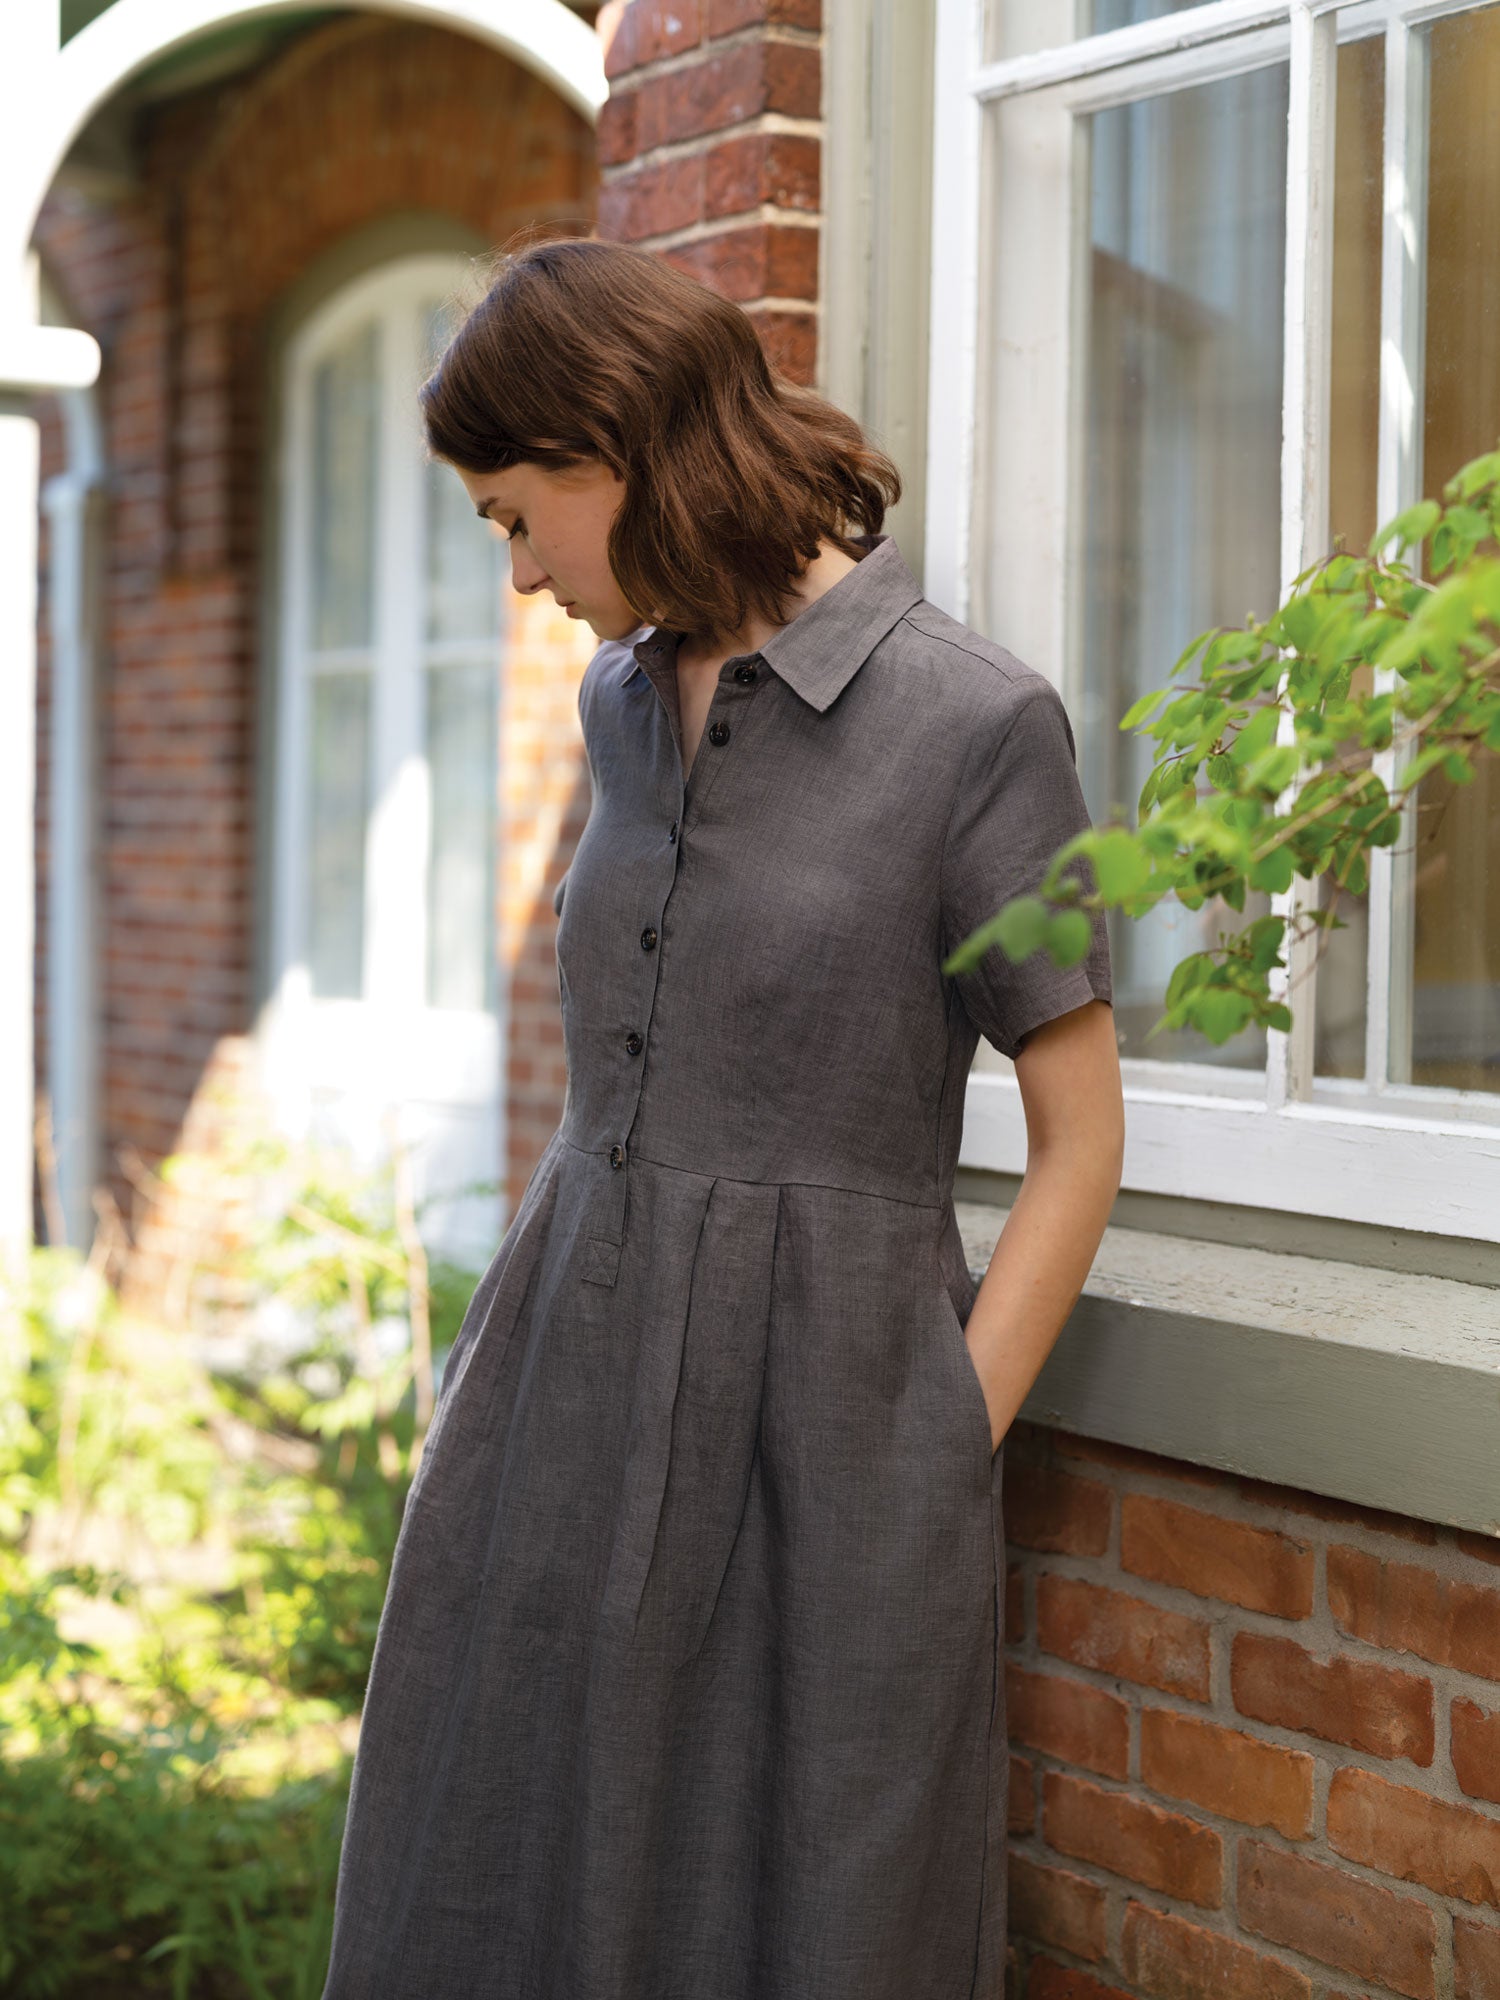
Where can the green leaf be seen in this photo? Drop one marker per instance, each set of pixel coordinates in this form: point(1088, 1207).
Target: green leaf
point(1274, 769)
point(1139, 710)
point(1069, 935)
point(1257, 734)
point(1120, 867)
point(1022, 926)
point(1473, 477)
point(1408, 528)
point(1263, 938)
point(1188, 973)
point(1219, 1012)
point(1273, 872)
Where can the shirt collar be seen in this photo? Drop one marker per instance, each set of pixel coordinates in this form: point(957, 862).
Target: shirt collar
point(819, 652)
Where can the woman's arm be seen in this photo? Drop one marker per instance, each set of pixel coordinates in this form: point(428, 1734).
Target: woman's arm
point(1069, 1075)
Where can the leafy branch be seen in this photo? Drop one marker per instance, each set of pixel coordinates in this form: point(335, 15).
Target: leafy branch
point(1266, 740)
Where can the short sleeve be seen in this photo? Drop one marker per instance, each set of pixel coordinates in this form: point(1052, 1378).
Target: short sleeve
point(1018, 801)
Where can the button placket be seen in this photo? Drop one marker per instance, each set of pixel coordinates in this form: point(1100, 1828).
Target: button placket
point(737, 684)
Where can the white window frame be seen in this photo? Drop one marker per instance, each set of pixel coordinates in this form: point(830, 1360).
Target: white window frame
point(390, 1048)
point(1386, 1152)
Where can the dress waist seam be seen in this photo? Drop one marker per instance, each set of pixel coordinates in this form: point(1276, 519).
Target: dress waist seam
point(746, 1180)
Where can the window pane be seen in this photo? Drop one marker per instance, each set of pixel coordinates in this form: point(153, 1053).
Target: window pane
point(461, 757)
point(1456, 946)
point(1021, 27)
point(1180, 468)
point(1339, 1038)
point(466, 562)
point(345, 427)
point(339, 771)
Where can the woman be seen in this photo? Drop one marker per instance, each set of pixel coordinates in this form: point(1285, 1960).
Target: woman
point(688, 1683)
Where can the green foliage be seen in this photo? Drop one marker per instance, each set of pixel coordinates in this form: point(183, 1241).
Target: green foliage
point(193, 1558)
point(1264, 765)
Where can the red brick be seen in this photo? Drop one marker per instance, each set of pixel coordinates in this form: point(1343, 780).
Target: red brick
point(1114, 1830)
point(1414, 1836)
point(1050, 1981)
point(1069, 1719)
point(1057, 1908)
point(1469, 1542)
point(726, 17)
point(1116, 1634)
point(789, 339)
point(1324, 1508)
point(1476, 1960)
point(1410, 1610)
point(1475, 1737)
point(760, 260)
point(1021, 1798)
point(1015, 1605)
point(1130, 1458)
point(615, 128)
point(1055, 1511)
point(1332, 1916)
point(659, 197)
point(1172, 1959)
point(783, 168)
point(649, 30)
point(1213, 1557)
point(1357, 1702)
point(743, 81)
point(1227, 1771)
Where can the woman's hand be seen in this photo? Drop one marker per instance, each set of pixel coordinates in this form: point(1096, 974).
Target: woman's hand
point(1069, 1075)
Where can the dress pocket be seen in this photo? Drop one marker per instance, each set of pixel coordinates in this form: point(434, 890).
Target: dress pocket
point(971, 1388)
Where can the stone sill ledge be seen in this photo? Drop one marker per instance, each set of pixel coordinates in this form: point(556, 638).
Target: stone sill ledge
point(1376, 1386)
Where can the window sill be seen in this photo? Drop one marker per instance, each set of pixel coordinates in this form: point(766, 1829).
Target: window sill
point(1334, 1158)
point(1377, 1386)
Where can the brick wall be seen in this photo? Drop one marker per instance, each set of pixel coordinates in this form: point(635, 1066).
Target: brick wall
point(1255, 1737)
point(710, 150)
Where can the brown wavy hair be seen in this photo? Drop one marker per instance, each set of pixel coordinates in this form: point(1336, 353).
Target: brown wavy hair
point(582, 349)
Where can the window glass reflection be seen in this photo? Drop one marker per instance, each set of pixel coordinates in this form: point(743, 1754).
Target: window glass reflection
point(1180, 468)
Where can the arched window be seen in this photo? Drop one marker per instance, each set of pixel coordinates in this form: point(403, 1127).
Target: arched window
point(385, 987)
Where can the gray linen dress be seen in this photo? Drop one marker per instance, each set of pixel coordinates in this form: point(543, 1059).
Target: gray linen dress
point(688, 1684)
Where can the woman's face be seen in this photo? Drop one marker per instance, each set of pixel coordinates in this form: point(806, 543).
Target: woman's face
point(557, 524)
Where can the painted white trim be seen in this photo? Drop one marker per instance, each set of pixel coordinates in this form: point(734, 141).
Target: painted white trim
point(1307, 352)
point(1323, 1158)
point(71, 502)
point(70, 84)
point(953, 335)
point(19, 463)
point(1092, 55)
point(1403, 277)
point(38, 358)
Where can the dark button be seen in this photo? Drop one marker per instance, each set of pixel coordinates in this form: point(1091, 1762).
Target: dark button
point(648, 939)
point(633, 1044)
point(617, 1156)
point(744, 674)
point(672, 831)
point(718, 732)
